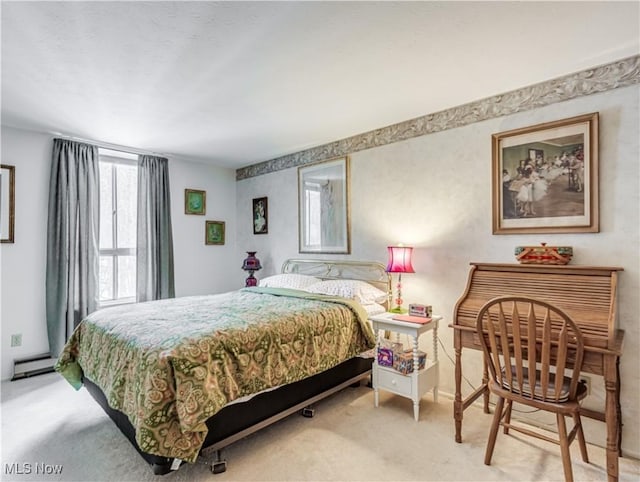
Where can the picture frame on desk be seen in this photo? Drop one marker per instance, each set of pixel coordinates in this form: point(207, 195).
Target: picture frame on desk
point(545, 178)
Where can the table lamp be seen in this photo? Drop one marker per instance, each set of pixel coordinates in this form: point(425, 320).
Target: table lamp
point(251, 264)
point(399, 262)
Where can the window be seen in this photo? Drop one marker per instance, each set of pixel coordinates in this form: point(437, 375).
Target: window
point(118, 216)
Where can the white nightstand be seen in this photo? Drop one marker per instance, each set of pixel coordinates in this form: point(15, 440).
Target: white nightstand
point(417, 383)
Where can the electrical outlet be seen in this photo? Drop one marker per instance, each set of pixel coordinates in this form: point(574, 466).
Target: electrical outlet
point(587, 381)
point(16, 340)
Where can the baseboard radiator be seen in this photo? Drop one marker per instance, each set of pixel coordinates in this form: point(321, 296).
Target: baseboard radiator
point(35, 365)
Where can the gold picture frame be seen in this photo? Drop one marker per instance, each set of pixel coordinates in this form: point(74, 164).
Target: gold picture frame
point(7, 203)
point(545, 178)
point(195, 202)
point(323, 207)
point(214, 232)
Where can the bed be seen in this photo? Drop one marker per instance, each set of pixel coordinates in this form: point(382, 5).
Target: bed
point(186, 377)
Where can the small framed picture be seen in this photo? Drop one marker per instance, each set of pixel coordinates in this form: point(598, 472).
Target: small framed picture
point(260, 216)
point(214, 232)
point(195, 202)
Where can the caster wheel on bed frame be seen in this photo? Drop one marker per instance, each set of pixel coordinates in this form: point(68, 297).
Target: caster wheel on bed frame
point(219, 467)
point(308, 412)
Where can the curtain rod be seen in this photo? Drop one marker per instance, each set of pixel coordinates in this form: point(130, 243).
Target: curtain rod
point(113, 147)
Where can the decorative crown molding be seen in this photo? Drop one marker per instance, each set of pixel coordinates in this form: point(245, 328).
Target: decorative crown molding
point(606, 77)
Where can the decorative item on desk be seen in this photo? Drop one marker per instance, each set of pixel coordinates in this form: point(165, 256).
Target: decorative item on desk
point(251, 264)
point(399, 262)
point(544, 254)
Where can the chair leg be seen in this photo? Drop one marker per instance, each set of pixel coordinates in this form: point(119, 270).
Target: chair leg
point(581, 440)
point(493, 434)
point(507, 417)
point(564, 448)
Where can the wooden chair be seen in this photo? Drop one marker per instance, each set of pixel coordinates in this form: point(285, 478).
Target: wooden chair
point(526, 342)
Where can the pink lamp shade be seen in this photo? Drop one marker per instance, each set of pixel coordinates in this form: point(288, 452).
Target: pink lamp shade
point(399, 259)
point(399, 262)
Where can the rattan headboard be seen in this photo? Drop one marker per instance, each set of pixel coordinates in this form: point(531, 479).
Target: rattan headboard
point(372, 272)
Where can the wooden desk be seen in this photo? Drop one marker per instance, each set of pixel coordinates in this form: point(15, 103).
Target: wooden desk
point(587, 293)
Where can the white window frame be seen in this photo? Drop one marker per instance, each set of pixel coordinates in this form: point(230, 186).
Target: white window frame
point(122, 158)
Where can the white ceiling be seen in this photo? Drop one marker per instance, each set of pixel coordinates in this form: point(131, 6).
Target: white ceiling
point(235, 83)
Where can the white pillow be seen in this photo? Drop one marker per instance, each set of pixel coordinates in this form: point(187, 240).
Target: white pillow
point(288, 280)
point(374, 309)
point(360, 291)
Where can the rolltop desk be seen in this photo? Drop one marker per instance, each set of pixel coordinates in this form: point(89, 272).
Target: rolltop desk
point(586, 293)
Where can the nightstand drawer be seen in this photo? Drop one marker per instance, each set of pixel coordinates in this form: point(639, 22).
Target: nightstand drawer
point(393, 381)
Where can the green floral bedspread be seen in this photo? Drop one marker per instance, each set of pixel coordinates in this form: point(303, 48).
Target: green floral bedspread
point(171, 364)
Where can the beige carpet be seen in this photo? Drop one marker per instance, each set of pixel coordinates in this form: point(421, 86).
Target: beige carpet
point(46, 423)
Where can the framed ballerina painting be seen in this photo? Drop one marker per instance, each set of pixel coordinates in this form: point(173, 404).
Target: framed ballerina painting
point(545, 178)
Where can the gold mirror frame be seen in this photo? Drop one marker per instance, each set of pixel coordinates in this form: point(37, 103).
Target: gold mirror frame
point(324, 207)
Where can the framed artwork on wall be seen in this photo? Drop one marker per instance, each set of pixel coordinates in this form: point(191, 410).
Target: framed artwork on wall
point(260, 216)
point(323, 207)
point(545, 178)
point(195, 202)
point(7, 203)
point(214, 232)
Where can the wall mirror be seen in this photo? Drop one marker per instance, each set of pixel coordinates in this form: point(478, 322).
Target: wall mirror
point(323, 207)
point(7, 203)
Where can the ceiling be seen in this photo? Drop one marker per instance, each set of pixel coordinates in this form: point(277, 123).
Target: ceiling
point(235, 83)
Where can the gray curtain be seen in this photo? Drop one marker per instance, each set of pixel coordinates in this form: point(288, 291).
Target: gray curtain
point(72, 239)
point(155, 242)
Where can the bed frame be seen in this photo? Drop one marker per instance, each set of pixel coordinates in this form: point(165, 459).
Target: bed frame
point(238, 420)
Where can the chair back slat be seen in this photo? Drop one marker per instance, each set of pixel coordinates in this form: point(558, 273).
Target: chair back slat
point(506, 349)
point(529, 355)
point(494, 352)
point(531, 350)
point(517, 346)
point(561, 359)
point(545, 357)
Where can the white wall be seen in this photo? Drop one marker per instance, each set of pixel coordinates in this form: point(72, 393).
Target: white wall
point(199, 269)
point(23, 263)
point(434, 192)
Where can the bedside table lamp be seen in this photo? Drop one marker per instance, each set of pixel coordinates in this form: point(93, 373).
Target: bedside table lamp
point(399, 262)
point(251, 264)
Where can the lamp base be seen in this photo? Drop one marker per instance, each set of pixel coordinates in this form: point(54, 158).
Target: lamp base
point(251, 280)
point(398, 309)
